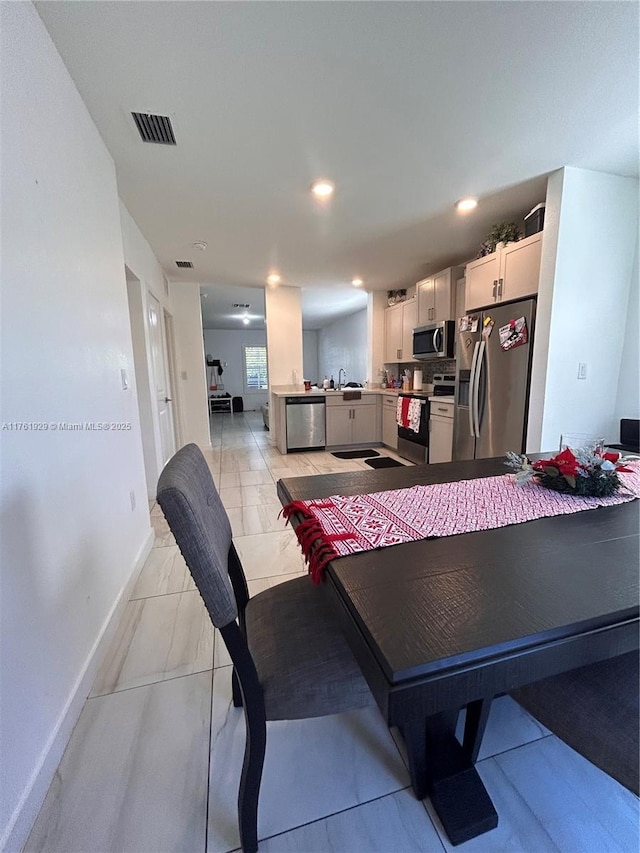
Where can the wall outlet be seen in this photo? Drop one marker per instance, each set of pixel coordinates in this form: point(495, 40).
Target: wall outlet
point(183, 375)
point(132, 498)
point(582, 370)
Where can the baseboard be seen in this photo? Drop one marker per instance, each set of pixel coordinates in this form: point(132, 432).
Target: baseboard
point(24, 815)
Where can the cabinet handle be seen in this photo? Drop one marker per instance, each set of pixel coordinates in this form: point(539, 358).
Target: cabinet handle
point(398, 353)
point(500, 283)
point(495, 285)
point(441, 409)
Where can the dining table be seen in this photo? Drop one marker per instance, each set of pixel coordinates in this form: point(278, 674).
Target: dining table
point(443, 624)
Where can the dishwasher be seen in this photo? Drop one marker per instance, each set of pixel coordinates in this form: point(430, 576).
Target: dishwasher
point(305, 423)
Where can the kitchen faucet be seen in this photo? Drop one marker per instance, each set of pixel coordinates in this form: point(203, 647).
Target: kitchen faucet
point(342, 370)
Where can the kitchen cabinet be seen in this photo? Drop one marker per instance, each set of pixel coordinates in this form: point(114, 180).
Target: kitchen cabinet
point(509, 273)
point(436, 296)
point(389, 423)
point(440, 431)
point(352, 422)
point(399, 323)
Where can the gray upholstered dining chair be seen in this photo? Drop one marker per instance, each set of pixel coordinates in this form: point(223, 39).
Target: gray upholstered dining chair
point(595, 710)
point(290, 658)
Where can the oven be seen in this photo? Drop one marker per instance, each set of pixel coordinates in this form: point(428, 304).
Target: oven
point(414, 445)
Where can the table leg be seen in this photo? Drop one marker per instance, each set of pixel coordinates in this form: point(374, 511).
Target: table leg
point(443, 769)
point(455, 788)
point(474, 726)
point(413, 732)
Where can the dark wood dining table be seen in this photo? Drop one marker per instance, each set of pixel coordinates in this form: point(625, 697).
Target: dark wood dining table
point(439, 625)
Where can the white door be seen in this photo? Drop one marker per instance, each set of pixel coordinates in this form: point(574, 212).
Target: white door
point(159, 365)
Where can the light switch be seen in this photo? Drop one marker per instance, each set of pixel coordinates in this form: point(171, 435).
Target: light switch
point(582, 370)
point(125, 379)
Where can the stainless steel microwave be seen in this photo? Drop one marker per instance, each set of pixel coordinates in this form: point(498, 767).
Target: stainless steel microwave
point(435, 341)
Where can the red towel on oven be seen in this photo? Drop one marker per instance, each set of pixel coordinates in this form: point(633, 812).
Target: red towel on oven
point(402, 412)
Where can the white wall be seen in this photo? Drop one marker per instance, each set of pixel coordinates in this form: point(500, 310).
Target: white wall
point(589, 248)
point(376, 305)
point(70, 540)
point(345, 344)
point(628, 396)
point(310, 356)
point(192, 380)
point(227, 345)
point(283, 314)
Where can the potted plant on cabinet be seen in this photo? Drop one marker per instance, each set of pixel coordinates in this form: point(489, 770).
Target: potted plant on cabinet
point(503, 233)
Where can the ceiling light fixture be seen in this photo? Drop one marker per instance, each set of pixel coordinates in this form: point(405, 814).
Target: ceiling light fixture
point(245, 320)
point(273, 278)
point(466, 204)
point(322, 188)
point(200, 244)
point(357, 282)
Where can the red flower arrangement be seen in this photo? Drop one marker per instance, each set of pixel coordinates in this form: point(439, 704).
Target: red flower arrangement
point(579, 472)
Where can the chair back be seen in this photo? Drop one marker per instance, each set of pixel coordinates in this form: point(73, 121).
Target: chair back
point(199, 522)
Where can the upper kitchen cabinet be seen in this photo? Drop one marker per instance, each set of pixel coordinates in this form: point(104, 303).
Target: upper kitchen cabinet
point(509, 273)
point(399, 323)
point(436, 296)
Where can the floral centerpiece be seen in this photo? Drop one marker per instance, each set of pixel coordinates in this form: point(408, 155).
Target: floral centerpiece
point(575, 472)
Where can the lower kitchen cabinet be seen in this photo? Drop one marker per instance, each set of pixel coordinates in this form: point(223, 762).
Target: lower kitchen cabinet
point(352, 422)
point(389, 423)
point(440, 431)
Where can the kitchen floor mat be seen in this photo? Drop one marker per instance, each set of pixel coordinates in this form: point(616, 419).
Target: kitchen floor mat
point(383, 462)
point(354, 454)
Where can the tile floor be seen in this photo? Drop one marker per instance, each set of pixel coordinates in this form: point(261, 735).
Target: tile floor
point(154, 761)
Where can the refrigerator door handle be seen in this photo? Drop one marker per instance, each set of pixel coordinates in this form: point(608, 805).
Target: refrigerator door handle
point(472, 380)
point(476, 387)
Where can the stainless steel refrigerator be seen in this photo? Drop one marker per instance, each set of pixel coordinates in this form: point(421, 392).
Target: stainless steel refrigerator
point(492, 381)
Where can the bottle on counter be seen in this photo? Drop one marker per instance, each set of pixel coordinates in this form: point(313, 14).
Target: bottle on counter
point(332, 384)
point(325, 383)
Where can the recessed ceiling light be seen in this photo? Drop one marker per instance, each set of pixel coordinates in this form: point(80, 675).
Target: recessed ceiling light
point(322, 188)
point(245, 320)
point(466, 204)
point(273, 278)
point(200, 244)
point(357, 282)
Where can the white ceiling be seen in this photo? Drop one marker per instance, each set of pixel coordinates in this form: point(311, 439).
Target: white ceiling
point(407, 106)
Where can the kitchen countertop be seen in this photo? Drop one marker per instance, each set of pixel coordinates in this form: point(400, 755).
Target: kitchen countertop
point(295, 391)
point(319, 392)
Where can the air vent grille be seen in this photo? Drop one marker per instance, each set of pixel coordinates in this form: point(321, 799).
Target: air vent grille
point(185, 265)
point(154, 128)
point(241, 305)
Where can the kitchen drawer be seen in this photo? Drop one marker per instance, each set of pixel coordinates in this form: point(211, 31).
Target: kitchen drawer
point(442, 410)
point(336, 399)
point(390, 401)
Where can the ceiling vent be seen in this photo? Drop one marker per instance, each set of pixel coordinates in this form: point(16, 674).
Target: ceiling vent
point(241, 305)
point(154, 128)
point(185, 265)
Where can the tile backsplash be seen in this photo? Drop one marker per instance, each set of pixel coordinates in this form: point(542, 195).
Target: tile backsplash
point(429, 368)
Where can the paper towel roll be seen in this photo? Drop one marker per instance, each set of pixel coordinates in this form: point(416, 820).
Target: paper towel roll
point(417, 380)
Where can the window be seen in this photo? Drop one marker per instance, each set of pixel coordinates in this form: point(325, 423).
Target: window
point(255, 369)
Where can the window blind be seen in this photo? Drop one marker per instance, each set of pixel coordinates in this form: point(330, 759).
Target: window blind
point(255, 366)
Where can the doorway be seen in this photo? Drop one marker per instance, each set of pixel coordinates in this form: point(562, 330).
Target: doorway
point(161, 383)
point(172, 364)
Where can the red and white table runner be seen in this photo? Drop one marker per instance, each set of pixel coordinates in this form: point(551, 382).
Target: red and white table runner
point(340, 525)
